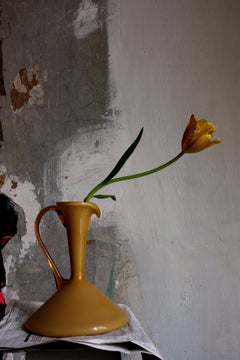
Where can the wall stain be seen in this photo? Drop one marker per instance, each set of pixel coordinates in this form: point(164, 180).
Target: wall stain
point(14, 184)
point(20, 93)
point(2, 179)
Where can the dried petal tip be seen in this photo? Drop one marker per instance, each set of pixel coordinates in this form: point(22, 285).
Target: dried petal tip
point(198, 135)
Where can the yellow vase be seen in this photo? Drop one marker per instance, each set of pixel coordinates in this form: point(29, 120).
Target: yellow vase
point(77, 308)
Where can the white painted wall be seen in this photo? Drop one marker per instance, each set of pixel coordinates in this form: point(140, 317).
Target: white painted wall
point(168, 59)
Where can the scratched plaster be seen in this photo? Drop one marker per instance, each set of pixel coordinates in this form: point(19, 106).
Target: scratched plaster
point(86, 21)
point(58, 133)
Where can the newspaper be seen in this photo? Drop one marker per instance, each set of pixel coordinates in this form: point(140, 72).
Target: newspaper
point(129, 339)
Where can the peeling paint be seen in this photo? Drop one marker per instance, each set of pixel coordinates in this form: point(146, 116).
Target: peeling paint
point(26, 91)
point(18, 251)
point(14, 184)
point(24, 194)
point(86, 21)
point(20, 92)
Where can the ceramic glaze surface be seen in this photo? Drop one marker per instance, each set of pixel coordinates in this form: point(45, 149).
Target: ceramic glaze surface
point(77, 308)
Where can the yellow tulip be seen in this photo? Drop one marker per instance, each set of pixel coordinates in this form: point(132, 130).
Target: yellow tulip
point(198, 135)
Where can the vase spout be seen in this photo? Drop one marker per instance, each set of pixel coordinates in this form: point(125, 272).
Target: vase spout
point(76, 217)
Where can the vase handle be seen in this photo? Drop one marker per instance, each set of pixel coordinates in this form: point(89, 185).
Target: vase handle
point(57, 275)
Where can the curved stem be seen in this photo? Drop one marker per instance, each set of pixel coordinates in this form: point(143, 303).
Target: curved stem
point(130, 177)
point(148, 172)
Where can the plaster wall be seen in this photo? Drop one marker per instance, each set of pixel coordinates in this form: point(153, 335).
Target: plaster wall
point(81, 78)
point(170, 59)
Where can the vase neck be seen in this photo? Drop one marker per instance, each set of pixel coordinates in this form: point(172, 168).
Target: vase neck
point(76, 218)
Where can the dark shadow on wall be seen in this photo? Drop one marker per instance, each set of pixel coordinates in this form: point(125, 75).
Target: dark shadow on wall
point(8, 228)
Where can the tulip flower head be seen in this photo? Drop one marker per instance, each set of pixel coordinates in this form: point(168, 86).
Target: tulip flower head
point(196, 137)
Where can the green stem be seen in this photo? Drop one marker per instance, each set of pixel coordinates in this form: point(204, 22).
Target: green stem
point(133, 176)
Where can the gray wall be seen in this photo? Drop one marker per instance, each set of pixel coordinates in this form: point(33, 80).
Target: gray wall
point(170, 59)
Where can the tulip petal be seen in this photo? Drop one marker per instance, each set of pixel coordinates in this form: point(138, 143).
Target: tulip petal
point(198, 135)
point(189, 132)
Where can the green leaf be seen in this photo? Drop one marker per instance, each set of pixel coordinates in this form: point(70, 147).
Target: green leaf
point(116, 168)
point(124, 158)
point(113, 197)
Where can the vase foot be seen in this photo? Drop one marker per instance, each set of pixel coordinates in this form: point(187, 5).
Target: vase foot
point(77, 309)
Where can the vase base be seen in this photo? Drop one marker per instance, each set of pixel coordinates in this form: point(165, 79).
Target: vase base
point(77, 309)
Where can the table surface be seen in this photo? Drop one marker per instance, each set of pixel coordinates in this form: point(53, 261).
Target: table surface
point(73, 354)
point(59, 351)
